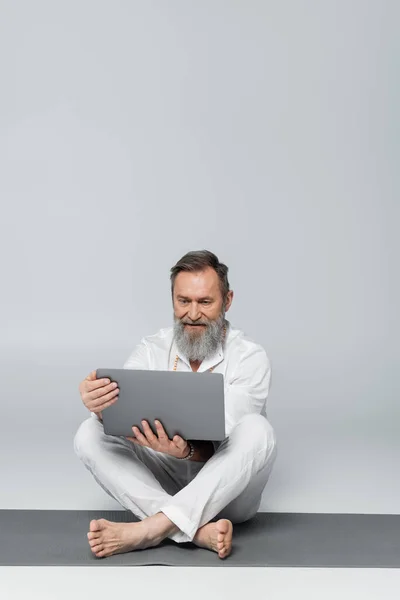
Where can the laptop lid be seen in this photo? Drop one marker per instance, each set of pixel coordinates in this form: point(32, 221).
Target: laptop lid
point(187, 404)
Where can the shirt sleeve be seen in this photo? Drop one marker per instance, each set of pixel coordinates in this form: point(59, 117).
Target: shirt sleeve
point(247, 390)
point(139, 358)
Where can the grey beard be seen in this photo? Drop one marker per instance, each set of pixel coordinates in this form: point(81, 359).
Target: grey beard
point(198, 347)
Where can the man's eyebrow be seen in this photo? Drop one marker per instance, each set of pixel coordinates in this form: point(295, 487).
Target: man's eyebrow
point(200, 299)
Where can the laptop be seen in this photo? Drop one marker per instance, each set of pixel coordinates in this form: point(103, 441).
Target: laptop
point(187, 404)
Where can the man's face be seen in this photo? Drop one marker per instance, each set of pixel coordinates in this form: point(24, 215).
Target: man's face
point(199, 312)
point(197, 299)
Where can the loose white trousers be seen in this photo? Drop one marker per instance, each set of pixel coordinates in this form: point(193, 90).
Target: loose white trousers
point(190, 493)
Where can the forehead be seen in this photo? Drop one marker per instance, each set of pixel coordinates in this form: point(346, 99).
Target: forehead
point(199, 283)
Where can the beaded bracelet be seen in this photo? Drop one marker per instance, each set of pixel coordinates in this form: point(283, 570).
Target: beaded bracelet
point(191, 453)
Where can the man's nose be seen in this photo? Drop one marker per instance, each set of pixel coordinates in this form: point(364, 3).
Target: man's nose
point(194, 312)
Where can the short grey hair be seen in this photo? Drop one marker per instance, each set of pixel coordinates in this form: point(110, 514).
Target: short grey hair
point(199, 260)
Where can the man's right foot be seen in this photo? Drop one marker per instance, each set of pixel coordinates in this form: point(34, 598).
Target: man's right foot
point(107, 537)
point(216, 536)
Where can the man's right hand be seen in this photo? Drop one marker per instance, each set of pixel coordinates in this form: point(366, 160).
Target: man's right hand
point(97, 394)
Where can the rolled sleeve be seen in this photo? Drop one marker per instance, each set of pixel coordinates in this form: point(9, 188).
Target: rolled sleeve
point(247, 391)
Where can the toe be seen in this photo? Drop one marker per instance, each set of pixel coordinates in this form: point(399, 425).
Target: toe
point(97, 548)
point(224, 552)
point(94, 525)
point(224, 526)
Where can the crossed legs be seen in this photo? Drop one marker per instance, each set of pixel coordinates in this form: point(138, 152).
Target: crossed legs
point(173, 498)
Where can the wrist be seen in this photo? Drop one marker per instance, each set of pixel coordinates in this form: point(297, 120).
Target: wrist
point(189, 452)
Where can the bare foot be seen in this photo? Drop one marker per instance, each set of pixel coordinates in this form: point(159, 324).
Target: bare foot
point(107, 538)
point(216, 536)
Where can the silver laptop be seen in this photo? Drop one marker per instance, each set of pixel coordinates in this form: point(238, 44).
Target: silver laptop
point(187, 404)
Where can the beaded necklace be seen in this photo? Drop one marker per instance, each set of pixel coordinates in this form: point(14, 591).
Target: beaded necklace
point(212, 368)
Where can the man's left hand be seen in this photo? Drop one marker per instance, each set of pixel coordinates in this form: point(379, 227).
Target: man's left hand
point(177, 447)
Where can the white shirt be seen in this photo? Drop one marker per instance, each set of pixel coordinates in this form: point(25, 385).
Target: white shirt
point(243, 362)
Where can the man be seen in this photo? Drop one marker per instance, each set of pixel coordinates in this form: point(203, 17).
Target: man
point(185, 491)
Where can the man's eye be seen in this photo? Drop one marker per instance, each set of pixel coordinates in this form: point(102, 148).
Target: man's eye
point(206, 302)
point(183, 301)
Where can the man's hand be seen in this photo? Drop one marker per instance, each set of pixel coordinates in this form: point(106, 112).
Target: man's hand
point(98, 394)
point(177, 447)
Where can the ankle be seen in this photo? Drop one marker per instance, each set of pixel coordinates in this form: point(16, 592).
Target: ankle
point(159, 526)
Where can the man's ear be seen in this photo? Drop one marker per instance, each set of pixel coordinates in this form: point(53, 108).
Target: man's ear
point(229, 299)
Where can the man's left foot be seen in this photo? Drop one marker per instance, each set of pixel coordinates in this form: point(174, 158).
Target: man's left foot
point(216, 536)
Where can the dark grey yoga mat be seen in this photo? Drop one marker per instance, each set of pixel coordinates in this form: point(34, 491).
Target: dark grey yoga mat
point(58, 537)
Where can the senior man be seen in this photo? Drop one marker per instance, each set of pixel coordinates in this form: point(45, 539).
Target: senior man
point(188, 492)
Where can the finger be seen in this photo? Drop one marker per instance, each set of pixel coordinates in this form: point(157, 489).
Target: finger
point(102, 389)
point(140, 437)
point(161, 433)
point(95, 383)
point(89, 384)
point(132, 439)
point(148, 432)
point(179, 442)
point(101, 407)
point(98, 408)
point(98, 402)
point(92, 376)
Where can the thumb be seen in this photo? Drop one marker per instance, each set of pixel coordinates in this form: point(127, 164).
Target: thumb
point(179, 442)
point(92, 376)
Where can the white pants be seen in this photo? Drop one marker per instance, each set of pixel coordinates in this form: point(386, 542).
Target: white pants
point(190, 493)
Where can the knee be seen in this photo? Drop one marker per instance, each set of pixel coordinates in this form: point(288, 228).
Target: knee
point(258, 430)
point(238, 514)
point(87, 435)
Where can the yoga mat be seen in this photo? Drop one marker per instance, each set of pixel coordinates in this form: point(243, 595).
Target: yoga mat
point(58, 537)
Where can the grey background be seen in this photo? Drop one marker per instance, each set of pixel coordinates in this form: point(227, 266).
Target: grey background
point(268, 132)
